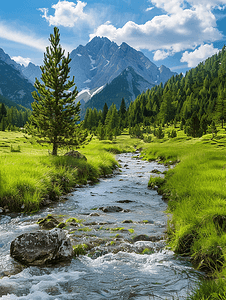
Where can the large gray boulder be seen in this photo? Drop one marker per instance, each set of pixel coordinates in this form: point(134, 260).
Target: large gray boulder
point(42, 247)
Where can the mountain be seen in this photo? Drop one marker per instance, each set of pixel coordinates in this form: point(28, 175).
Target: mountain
point(94, 67)
point(101, 60)
point(127, 85)
point(13, 85)
point(31, 72)
point(10, 103)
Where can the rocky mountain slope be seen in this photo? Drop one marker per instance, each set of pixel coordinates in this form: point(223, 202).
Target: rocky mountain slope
point(95, 66)
point(127, 85)
point(14, 86)
point(101, 60)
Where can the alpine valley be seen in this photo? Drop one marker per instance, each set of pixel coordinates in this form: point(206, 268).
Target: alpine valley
point(103, 71)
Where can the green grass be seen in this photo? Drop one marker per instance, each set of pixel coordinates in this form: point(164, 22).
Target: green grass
point(196, 190)
point(29, 175)
point(80, 249)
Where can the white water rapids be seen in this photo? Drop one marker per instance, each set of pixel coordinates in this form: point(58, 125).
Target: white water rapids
point(114, 275)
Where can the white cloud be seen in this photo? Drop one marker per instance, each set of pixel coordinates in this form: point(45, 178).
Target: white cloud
point(67, 14)
point(160, 55)
point(15, 35)
point(149, 8)
point(199, 55)
point(22, 60)
point(184, 25)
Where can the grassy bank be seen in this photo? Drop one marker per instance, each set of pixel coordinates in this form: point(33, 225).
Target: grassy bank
point(196, 190)
point(30, 177)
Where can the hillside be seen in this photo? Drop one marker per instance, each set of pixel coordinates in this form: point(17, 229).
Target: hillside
point(200, 95)
point(14, 86)
point(127, 85)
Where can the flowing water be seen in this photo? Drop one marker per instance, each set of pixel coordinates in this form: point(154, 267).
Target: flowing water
point(128, 259)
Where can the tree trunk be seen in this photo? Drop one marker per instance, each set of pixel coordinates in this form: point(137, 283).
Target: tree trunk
point(55, 146)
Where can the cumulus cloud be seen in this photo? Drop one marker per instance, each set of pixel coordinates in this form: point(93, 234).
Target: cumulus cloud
point(160, 55)
point(199, 55)
point(22, 60)
point(182, 25)
point(67, 14)
point(15, 35)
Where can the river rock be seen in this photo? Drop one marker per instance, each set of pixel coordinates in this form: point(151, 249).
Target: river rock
point(111, 209)
point(143, 237)
point(48, 223)
point(95, 214)
point(127, 221)
point(75, 154)
point(42, 247)
point(124, 201)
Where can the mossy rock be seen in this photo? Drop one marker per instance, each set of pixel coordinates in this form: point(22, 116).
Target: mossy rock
point(48, 222)
point(76, 155)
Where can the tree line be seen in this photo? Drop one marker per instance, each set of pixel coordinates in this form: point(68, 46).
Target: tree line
point(12, 118)
point(194, 102)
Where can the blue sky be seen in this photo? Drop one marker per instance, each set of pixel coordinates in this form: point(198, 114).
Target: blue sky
point(176, 33)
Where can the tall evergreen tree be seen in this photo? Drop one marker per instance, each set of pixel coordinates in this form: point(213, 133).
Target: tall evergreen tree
point(104, 113)
point(221, 105)
point(55, 116)
point(3, 111)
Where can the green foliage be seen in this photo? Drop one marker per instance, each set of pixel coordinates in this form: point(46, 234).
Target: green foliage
point(148, 139)
point(12, 149)
point(195, 99)
point(147, 251)
point(209, 290)
point(172, 133)
point(159, 133)
point(155, 181)
point(55, 114)
point(196, 194)
point(136, 132)
point(212, 129)
point(13, 118)
point(31, 176)
point(80, 249)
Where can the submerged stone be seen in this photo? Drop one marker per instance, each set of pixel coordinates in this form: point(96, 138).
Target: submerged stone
point(111, 209)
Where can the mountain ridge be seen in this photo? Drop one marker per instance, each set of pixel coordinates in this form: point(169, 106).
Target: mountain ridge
point(94, 66)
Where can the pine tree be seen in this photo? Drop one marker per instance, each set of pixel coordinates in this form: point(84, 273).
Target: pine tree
point(221, 105)
point(3, 111)
point(55, 116)
point(104, 113)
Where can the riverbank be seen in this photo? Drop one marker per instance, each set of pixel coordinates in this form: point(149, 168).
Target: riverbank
point(119, 225)
point(31, 178)
point(195, 190)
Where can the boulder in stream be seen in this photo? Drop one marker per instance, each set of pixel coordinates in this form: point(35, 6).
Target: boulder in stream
point(42, 247)
point(111, 209)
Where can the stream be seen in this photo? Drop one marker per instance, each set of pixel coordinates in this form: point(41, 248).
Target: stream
point(126, 257)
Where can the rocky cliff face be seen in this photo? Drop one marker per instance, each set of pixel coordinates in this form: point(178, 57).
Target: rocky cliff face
point(14, 86)
point(31, 72)
point(94, 67)
point(127, 85)
point(101, 60)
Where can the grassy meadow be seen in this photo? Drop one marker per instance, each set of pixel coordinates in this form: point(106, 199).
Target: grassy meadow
point(195, 189)
point(29, 175)
point(196, 192)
